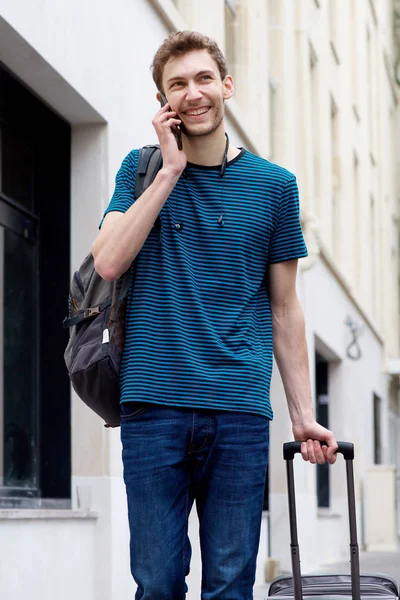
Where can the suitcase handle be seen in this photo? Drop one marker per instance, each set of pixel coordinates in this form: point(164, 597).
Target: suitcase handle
point(290, 449)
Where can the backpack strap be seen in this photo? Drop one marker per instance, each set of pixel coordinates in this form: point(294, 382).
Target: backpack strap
point(84, 314)
point(150, 162)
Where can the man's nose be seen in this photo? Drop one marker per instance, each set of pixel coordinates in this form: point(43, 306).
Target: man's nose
point(193, 92)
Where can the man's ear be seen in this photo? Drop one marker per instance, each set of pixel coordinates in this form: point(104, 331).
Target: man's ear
point(229, 87)
point(158, 97)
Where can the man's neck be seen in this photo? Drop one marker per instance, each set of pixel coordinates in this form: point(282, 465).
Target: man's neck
point(208, 150)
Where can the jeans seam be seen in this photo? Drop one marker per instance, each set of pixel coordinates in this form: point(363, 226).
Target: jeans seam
point(137, 412)
point(193, 428)
point(191, 451)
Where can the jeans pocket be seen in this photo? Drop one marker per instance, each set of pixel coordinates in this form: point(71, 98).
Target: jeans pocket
point(130, 410)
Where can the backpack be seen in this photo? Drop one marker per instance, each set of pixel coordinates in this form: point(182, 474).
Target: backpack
point(96, 320)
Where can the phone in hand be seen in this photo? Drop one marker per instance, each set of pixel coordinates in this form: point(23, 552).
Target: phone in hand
point(176, 130)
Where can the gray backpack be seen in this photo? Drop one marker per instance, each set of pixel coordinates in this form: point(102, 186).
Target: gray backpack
point(96, 320)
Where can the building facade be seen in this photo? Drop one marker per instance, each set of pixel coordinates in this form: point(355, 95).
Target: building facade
point(317, 91)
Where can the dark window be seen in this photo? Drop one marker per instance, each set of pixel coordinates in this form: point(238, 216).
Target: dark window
point(16, 167)
point(20, 372)
point(377, 430)
point(35, 453)
point(322, 414)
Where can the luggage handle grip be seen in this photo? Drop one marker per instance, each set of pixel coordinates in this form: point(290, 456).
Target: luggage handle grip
point(292, 448)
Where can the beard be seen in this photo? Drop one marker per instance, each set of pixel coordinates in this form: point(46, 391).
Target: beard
point(207, 129)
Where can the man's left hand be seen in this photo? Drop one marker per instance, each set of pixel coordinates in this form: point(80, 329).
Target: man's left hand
point(311, 449)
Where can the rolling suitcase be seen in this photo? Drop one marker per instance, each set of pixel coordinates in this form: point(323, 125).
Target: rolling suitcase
point(332, 587)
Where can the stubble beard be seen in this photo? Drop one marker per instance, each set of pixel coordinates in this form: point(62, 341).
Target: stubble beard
point(216, 122)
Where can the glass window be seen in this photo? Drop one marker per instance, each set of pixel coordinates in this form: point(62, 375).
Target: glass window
point(16, 168)
point(231, 35)
point(377, 429)
point(357, 228)
point(336, 179)
point(18, 342)
point(35, 465)
point(322, 409)
point(315, 132)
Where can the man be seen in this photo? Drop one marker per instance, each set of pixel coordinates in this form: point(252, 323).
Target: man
point(216, 239)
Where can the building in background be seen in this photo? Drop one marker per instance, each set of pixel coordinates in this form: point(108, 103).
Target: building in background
point(317, 91)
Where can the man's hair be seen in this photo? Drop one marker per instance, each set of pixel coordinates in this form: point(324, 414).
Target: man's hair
point(180, 43)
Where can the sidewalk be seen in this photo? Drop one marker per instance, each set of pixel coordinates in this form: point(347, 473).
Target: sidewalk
point(370, 562)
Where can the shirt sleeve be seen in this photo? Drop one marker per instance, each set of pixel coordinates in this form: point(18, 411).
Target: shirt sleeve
point(287, 242)
point(124, 192)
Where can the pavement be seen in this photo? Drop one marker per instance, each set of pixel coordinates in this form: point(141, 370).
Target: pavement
point(387, 563)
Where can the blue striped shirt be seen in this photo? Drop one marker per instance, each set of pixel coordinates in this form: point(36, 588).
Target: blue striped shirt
point(199, 324)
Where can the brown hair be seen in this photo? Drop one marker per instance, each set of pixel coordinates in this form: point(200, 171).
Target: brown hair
point(178, 44)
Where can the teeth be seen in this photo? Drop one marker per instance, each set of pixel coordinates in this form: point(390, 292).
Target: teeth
point(195, 113)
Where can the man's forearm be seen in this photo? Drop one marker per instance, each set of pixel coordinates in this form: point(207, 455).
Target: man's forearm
point(115, 249)
point(291, 355)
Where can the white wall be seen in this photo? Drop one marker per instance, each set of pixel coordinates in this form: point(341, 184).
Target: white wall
point(46, 558)
point(345, 282)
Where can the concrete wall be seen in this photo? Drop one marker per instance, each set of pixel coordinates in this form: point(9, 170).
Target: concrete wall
point(47, 555)
point(353, 265)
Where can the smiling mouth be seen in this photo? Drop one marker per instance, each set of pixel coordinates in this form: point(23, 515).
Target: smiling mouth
point(197, 112)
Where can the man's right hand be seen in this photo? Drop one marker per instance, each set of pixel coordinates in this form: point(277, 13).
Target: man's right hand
point(174, 160)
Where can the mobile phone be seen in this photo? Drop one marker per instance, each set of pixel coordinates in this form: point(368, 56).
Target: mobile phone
point(176, 130)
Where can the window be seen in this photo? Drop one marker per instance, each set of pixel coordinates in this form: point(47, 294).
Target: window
point(236, 47)
point(34, 282)
point(357, 228)
point(16, 168)
point(231, 34)
point(372, 91)
point(373, 259)
point(315, 108)
point(322, 414)
point(377, 430)
point(336, 178)
point(369, 90)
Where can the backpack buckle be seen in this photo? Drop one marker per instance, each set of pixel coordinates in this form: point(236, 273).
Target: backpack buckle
point(90, 312)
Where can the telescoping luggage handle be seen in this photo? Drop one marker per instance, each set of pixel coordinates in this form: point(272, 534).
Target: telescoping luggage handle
point(290, 449)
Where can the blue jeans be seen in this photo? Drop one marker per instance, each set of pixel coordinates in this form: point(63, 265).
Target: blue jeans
point(173, 457)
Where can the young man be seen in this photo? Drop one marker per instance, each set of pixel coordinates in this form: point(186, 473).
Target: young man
point(216, 239)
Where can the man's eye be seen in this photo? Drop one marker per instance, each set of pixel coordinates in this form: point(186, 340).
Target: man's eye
point(177, 83)
point(206, 77)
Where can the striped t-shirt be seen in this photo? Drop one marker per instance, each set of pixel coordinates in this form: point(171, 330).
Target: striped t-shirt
point(199, 326)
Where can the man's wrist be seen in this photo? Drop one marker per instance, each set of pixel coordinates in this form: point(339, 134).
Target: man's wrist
point(169, 174)
point(303, 419)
